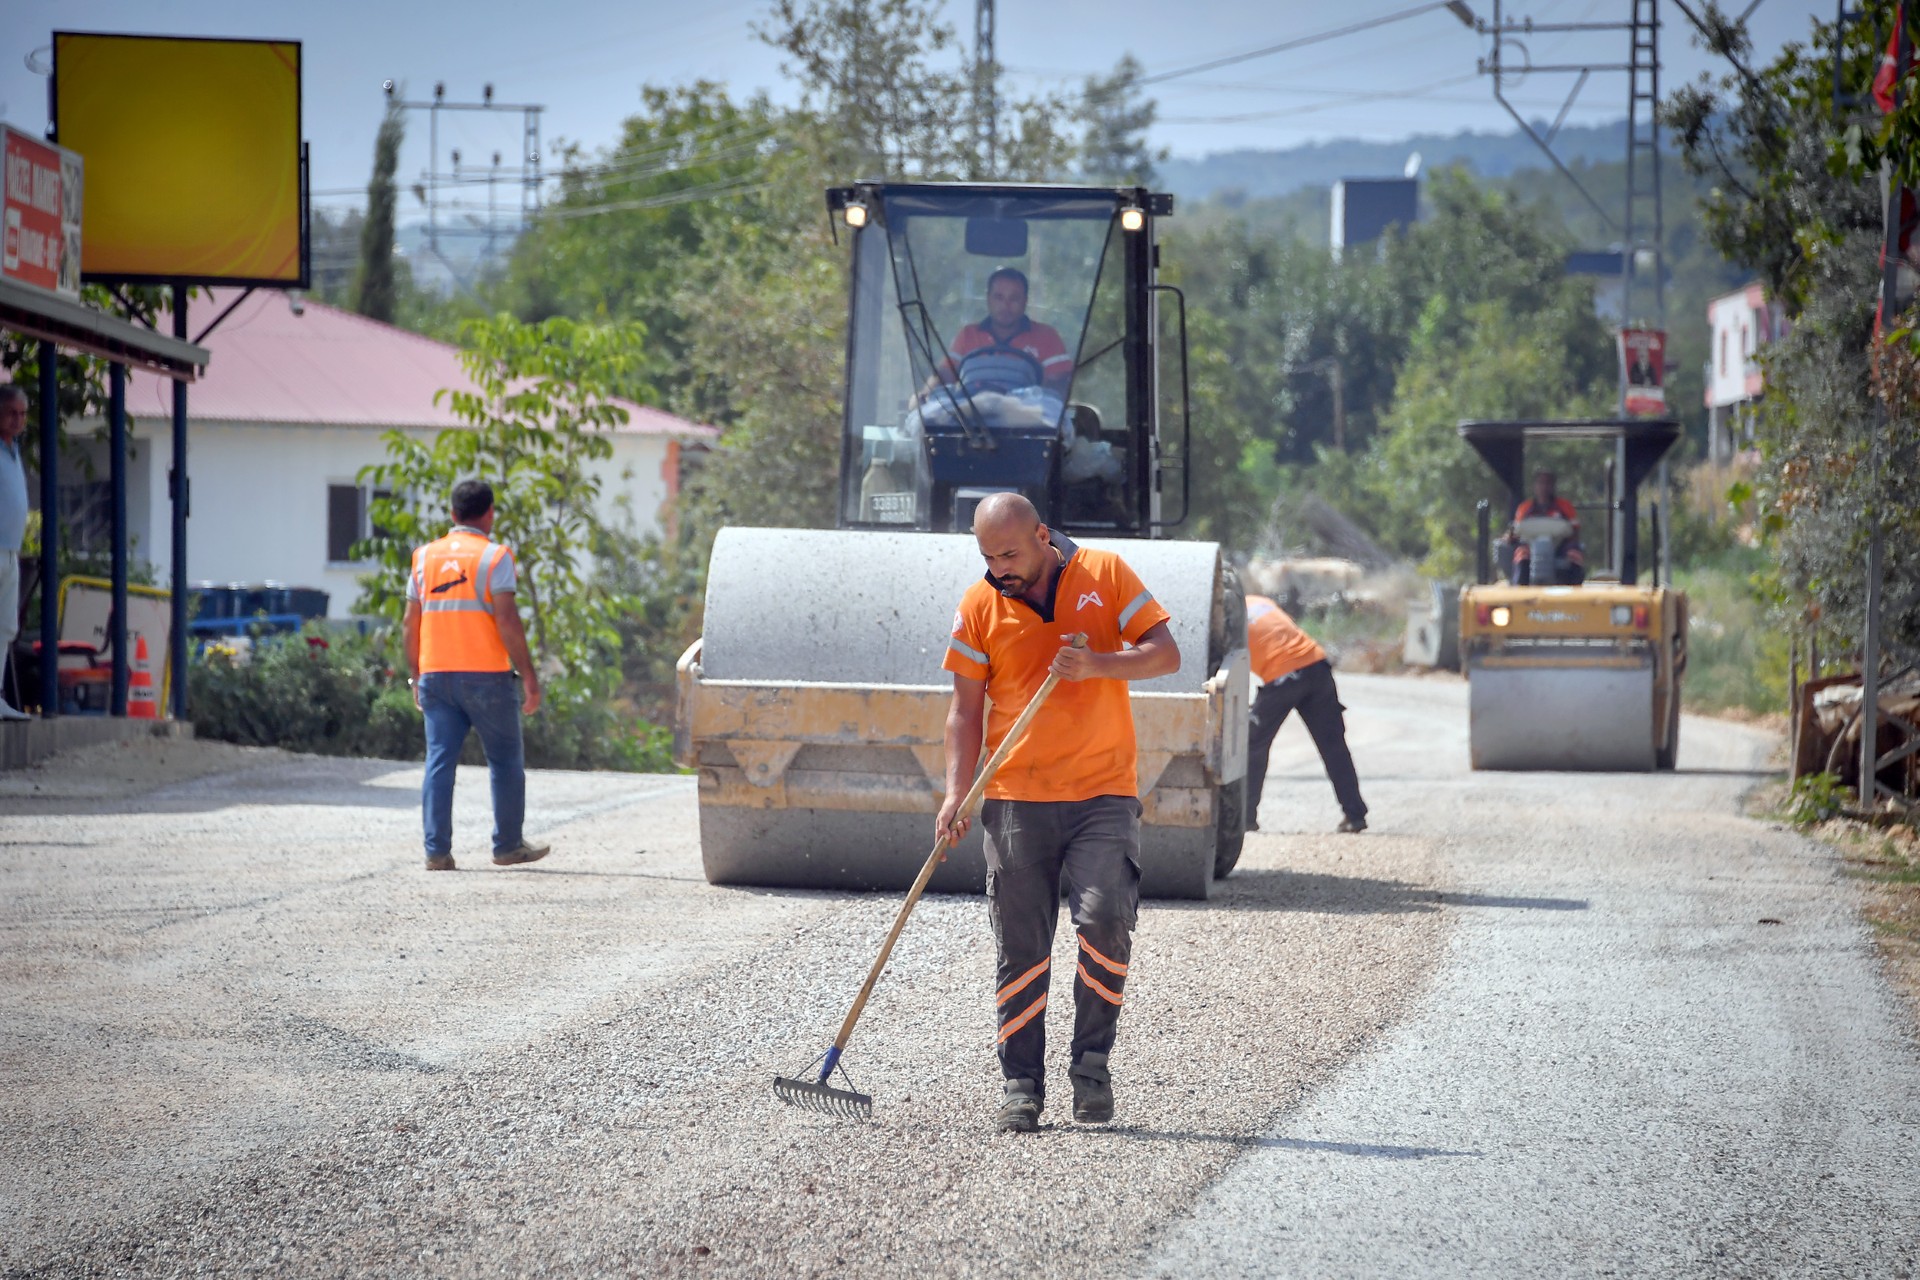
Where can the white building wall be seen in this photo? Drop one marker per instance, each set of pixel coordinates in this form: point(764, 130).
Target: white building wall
point(258, 499)
point(1741, 324)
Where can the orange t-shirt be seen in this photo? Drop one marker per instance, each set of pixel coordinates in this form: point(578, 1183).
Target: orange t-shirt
point(1081, 744)
point(1276, 643)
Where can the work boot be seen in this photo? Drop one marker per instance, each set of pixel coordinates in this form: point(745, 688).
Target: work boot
point(1020, 1113)
point(1092, 1089)
point(9, 712)
point(1351, 826)
point(524, 853)
point(440, 862)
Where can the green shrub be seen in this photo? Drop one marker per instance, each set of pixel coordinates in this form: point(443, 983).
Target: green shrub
point(344, 694)
point(1815, 798)
point(1736, 656)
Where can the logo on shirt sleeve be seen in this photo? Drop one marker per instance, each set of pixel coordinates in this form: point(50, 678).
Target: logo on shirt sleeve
point(1089, 597)
point(959, 622)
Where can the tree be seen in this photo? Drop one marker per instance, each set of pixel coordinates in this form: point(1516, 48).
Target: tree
point(535, 425)
point(618, 240)
point(881, 104)
point(1796, 198)
point(1115, 118)
point(374, 293)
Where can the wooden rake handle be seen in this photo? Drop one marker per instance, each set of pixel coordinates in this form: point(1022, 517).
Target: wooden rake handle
point(941, 846)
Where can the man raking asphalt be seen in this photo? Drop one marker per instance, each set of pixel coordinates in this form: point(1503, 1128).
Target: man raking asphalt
point(1064, 808)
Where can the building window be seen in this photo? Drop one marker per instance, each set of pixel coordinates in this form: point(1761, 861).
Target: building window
point(1723, 366)
point(349, 519)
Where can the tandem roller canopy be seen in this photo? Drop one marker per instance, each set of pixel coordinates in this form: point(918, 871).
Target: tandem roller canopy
point(1502, 444)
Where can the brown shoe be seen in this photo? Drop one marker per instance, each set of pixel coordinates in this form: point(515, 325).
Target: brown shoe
point(525, 853)
point(440, 862)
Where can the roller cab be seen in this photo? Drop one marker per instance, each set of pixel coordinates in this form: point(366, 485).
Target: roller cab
point(1580, 675)
point(1000, 338)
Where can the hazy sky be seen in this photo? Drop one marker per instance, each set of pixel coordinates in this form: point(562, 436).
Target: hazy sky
point(585, 59)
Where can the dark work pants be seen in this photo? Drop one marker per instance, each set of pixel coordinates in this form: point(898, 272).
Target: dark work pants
point(1311, 691)
point(1033, 847)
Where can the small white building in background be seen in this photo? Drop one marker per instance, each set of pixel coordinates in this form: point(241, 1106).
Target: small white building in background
point(292, 406)
point(1742, 323)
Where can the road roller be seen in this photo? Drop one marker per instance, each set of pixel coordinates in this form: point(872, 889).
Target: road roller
point(1572, 665)
point(1000, 338)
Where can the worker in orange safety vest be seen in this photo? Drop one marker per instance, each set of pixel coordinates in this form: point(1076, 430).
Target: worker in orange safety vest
point(468, 651)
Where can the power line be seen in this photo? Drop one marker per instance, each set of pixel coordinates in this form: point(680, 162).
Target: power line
point(1299, 42)
point(1311, 107)
point(712, 191)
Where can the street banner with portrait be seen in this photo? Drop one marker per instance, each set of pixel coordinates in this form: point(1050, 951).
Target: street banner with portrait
point(40, 191)
point(1643, 372)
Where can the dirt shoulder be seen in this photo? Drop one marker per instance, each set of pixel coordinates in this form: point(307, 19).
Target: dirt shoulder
point(124, 770)
point(1885, 861)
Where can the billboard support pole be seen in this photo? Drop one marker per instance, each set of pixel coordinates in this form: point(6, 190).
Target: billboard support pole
point(177, 628)
point(117, 629)
point(49, 532)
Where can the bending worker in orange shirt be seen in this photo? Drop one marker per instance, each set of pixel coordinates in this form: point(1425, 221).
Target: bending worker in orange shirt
point(1065, 805)
point(1294, 673)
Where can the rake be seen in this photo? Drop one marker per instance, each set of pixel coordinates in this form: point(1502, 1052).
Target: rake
point(819, 1094)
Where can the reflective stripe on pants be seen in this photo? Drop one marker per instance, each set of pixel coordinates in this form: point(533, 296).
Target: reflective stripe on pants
point(1033, 848)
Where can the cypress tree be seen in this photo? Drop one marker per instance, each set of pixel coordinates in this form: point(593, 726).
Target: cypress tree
point(373, 287)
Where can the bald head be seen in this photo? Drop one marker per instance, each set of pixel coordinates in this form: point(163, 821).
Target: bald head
point(1016, 546)
point(1005, 514)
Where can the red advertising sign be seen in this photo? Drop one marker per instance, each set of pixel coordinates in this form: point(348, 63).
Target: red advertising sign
point(41, 186)
point(1643, 372)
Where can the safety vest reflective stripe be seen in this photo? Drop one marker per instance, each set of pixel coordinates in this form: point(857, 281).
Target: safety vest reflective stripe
point(1117, 970)
point(1093, 984)
point(1026, 1015)
point(1022, 982)
point(967, 651)
point(457, 630)
point(1134, 606)
point(482, 588)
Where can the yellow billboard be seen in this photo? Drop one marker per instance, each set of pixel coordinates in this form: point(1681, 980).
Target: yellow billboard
point(192, 148)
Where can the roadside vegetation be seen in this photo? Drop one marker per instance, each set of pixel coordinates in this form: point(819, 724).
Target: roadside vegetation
point(691, 265)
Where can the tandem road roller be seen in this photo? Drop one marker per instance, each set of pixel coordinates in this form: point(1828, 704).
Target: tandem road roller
point(1572, 675)
point(1001, 338)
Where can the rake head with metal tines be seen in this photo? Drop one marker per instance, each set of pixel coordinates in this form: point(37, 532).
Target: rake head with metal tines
point(818, 1095)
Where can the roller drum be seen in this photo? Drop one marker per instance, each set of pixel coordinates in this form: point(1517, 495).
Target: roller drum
point(877, 608)
point(1592, 718)
point(797, 607)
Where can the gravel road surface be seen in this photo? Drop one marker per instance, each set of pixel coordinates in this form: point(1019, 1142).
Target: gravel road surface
point(1525, 1022)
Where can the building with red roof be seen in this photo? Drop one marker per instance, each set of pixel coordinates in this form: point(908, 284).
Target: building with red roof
point(293, 403)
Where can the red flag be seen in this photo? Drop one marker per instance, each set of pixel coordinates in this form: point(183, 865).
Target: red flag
point(1889, 72)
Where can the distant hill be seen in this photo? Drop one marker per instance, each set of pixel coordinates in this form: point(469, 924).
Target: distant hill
point(1255, 174)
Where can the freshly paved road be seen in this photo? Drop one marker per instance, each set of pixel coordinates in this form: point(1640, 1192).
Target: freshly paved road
point(1658, 1045)
point(1525, 1024)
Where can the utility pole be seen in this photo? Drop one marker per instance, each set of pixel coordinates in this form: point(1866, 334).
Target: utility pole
point(1876, 519)
point(432, 180)
point(1641, 227)
point(986, 76)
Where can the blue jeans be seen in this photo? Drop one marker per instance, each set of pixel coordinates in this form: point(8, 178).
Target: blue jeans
point(453, 702)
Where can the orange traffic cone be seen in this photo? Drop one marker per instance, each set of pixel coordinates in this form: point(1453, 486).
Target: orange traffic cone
point(142, 703)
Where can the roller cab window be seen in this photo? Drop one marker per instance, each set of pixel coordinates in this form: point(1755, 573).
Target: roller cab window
point(997, 340)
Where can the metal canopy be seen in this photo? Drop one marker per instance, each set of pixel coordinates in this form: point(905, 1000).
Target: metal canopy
point(77, 327)
point(1639, 444)
point(1502, 444)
